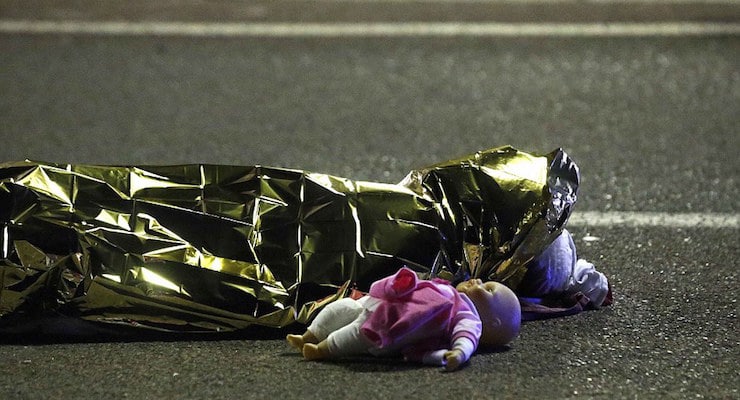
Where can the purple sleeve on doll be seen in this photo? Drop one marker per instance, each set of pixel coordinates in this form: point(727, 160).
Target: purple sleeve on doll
point(464, 332)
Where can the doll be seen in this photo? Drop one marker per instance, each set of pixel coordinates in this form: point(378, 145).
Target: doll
point(425, 321)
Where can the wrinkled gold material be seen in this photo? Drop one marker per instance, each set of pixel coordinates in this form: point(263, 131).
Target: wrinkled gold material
point(205, 248)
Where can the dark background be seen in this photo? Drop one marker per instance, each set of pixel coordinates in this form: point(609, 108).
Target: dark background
point(651, 121)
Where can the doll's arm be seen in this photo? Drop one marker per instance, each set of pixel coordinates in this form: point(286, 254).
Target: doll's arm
point(452, 359)
point(461, 352)
point(466, 331)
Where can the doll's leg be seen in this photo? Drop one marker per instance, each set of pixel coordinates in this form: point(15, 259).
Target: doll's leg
point(346, 341)
point(333, 317)
point(298, 341)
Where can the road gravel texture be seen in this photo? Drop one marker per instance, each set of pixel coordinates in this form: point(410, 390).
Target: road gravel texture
point(652, 123)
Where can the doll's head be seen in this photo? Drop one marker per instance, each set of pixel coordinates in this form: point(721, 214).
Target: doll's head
point(498, 308)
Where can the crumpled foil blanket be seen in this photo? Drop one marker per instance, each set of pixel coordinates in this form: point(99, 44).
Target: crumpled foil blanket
point(219, 248)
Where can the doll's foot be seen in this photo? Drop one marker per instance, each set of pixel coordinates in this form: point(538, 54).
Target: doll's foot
point(298, 341)
point(313, 352)
point(295, 341)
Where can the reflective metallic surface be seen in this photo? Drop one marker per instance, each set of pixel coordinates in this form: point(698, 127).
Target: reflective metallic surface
point(206, 248)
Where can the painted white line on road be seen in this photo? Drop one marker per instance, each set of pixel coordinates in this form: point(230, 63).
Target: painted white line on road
point(622, 3)
point(401, 29)
point(654, 219)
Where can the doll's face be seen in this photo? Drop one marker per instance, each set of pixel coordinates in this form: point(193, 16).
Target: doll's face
point(498, 308)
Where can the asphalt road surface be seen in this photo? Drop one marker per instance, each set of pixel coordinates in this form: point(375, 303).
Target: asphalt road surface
point(652, 122)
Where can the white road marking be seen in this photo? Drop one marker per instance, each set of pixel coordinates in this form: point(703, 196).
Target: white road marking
point(544, 2)
point(583, 218)
point(654, 219)
point(400, 29)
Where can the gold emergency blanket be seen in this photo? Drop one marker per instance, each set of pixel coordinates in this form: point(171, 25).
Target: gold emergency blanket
point(219, 248)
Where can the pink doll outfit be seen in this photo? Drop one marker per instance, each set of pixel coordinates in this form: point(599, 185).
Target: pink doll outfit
point(401, 315)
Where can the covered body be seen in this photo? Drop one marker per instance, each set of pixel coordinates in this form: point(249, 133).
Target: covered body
point(209, 248)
